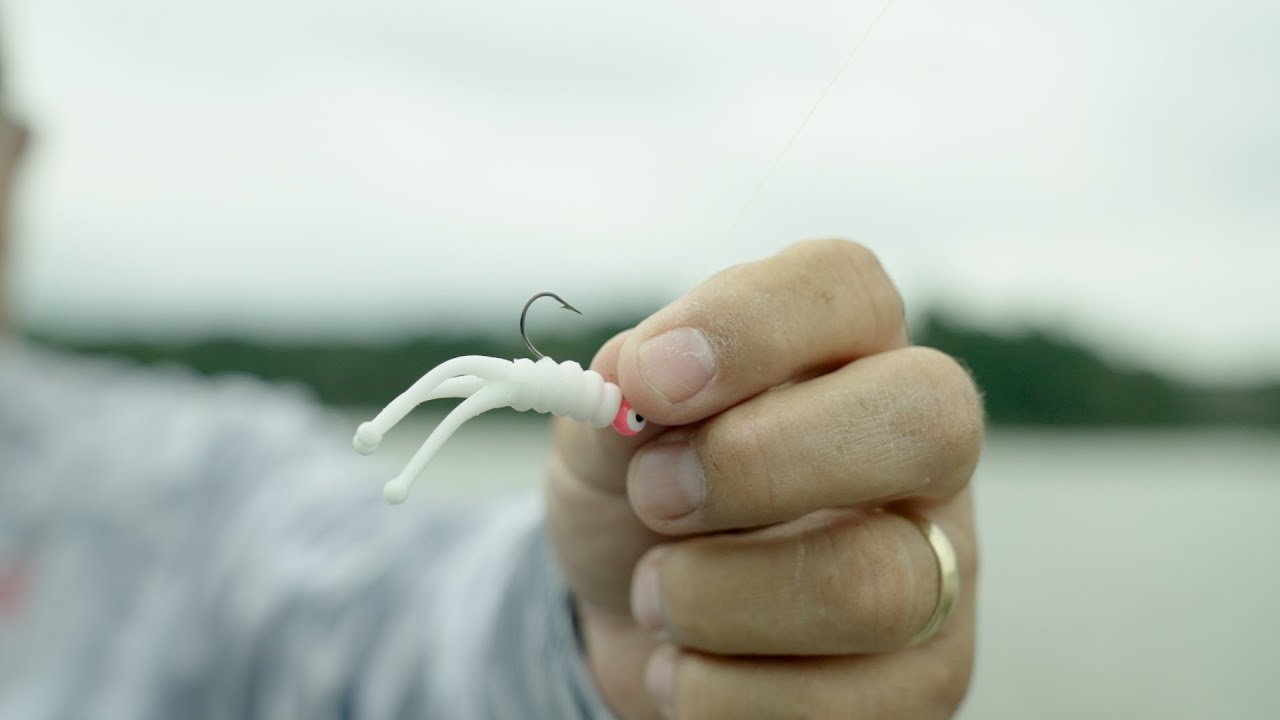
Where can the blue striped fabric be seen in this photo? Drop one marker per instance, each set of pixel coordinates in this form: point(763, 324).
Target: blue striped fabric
point(178, 548)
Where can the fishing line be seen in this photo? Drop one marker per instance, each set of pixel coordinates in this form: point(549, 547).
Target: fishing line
point(564, 389)
point(813, 110)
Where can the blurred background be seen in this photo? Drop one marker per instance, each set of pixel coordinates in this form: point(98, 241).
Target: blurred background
point(1081, 200)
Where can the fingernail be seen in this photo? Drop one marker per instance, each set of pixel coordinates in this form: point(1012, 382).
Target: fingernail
point(646, 603)
point(678, 363)
point(660, 679)
point(666, 480)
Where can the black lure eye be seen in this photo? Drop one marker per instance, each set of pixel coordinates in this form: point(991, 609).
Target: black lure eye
point(635, 421)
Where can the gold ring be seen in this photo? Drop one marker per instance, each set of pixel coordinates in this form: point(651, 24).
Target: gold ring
point(948, 575)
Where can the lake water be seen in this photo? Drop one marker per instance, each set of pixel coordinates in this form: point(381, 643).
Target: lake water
point(1124, 574)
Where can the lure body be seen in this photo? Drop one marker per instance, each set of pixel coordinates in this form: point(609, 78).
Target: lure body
point(487, 383)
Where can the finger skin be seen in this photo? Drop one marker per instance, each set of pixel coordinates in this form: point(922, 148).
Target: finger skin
point(813, 306)
point(903, 423)
point(598, 540)
point(834, 583)
point(928, 682)
point(597, 537)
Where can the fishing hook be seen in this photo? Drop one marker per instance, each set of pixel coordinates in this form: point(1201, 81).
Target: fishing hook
point(524, 335)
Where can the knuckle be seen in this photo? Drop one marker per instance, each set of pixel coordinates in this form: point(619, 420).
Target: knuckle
point(946, 418)
point(826, 250)
point(893, 606)
point(872, 594)
point(743, 482)
point(860, 256)
point(879, 297)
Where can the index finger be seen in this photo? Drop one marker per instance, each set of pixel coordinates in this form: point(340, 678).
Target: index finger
point(813, 306)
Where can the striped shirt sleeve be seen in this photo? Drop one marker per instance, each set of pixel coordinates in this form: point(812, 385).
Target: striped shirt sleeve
point(213, 550)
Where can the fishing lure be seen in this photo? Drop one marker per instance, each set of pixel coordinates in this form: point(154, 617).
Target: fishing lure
point(488, 383)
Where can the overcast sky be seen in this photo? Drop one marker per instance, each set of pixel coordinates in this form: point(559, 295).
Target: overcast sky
point(366, 167)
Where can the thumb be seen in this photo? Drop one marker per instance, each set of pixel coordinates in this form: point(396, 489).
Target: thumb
point(597, 536)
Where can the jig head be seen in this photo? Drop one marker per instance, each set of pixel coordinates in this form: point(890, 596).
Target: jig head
point(488, 383)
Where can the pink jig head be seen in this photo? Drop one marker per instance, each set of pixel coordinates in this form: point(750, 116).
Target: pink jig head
point(487, 383)
point(629, 422)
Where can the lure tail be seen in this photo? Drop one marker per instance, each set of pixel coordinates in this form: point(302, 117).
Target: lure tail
point(441, 382)
point(486, 399)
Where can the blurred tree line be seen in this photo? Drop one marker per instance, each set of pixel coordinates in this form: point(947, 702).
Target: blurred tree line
point(1037, 378)
point(1028, 378)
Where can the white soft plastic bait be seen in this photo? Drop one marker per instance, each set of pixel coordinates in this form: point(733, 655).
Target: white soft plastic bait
point(487, 383)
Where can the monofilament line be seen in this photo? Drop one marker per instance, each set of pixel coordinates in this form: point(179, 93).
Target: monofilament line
point(786, 149)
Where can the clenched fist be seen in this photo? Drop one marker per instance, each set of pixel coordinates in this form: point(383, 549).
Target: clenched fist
point(747, 555)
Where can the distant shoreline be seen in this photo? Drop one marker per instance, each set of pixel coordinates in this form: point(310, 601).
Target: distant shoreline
point(1036, 379)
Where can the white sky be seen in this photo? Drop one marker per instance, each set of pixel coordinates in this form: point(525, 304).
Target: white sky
point(367, 167)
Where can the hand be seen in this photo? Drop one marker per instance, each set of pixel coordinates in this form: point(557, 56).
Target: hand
point(744, 556)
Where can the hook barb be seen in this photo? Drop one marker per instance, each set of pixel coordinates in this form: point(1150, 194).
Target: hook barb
point(525, 335)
